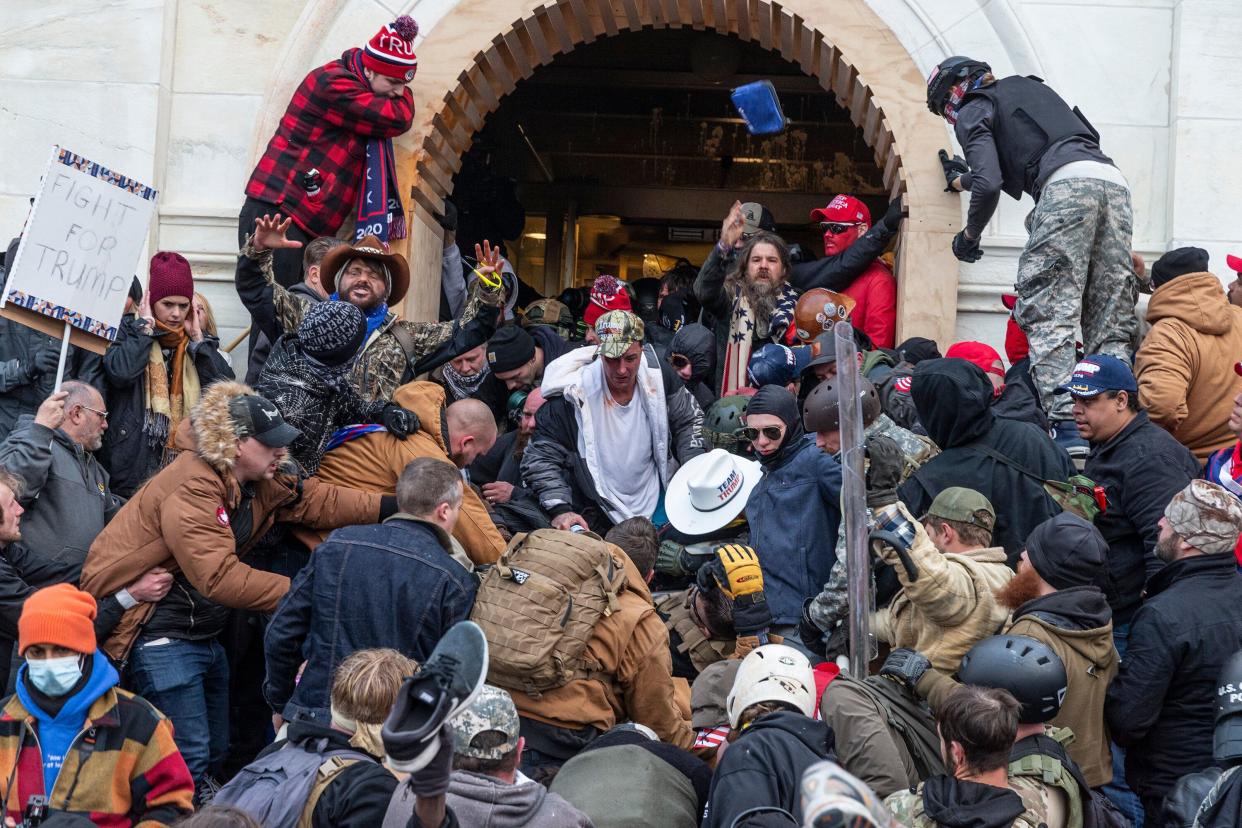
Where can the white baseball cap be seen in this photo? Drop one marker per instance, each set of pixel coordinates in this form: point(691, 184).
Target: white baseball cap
point(710, 490)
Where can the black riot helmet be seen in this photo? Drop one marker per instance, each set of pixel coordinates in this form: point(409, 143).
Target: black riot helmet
point(1227, 740)
point(822, 409)
point(1026, 667)
point(948, 73)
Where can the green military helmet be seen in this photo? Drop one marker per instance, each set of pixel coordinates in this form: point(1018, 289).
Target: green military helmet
point(722, 421)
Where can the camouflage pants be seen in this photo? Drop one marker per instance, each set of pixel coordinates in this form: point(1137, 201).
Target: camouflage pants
point(1076, 271)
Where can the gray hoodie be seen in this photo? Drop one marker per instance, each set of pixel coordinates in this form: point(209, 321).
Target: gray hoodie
point(482, 801)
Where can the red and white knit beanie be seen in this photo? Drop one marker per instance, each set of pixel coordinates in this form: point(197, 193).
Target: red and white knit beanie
point(391, 51)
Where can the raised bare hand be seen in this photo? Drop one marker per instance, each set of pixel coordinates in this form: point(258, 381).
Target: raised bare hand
point(51, 411)
point(731, 229)
point(270, 233)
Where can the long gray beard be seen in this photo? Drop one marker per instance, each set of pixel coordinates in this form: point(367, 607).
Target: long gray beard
point(762, 298)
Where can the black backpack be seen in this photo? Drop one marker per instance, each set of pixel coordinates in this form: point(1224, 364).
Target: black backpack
point(1039, 756)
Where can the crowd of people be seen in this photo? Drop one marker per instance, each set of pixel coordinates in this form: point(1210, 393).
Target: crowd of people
point(582, 560)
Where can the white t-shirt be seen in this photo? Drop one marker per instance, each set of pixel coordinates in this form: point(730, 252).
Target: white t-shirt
point(624, 442)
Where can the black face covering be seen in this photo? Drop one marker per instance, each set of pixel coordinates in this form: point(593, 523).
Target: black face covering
point(779, 402)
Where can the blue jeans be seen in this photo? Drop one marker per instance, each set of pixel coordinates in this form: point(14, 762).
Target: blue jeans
point(1118, 791)
point(189, 682)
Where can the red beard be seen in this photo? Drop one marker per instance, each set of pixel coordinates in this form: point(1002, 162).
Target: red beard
point(1021, 588)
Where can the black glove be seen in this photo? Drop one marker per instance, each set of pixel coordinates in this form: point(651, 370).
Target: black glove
point(810, 633)
point(400, 422)
point(893, 215)
point(966, 250)
point(905, 666)
point(45, 361)
point(954, 168)
point(433, 780)
point(886, 463)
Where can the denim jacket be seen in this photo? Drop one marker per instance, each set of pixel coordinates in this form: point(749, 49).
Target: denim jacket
point(392, 584)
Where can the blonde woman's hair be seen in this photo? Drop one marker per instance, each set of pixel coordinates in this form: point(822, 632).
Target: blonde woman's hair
point(209, 316)
point(366, 684)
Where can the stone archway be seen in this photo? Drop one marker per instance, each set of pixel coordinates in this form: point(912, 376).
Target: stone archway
point(479, 50)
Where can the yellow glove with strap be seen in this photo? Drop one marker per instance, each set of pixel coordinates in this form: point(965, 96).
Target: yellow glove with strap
point(737, 573)
point(743, 575)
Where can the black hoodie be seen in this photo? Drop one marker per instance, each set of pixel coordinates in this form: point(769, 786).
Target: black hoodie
point(957, 803)
point(698, 344)
point(954, 402)
point(764, 766)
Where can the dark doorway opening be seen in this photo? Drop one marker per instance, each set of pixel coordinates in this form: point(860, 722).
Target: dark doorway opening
point(624, 155)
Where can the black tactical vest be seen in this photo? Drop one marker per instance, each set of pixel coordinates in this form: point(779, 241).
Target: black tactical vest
point(1028, 118)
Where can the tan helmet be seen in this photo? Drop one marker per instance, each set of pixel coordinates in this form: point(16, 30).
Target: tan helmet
point(818, 310)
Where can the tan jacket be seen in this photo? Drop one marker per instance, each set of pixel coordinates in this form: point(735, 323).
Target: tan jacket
point(636, 674)
point(374, 461)
point(951, 605)
point(1091, 664)
point(1185, 364)
point(180, 519)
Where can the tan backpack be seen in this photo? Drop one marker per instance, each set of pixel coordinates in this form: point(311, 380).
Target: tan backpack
point(539, 604)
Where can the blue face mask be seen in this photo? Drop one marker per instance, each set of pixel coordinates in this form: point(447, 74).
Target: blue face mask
point(54, 676)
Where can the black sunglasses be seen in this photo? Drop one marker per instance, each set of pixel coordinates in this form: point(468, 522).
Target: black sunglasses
point(771, 432)
point(679, 361)
point(836, 228)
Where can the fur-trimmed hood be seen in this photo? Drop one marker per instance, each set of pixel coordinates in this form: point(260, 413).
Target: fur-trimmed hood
point(212, 434)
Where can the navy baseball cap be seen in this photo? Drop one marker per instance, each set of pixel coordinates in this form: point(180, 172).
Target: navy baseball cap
point(775, 364)
point(1099, 373)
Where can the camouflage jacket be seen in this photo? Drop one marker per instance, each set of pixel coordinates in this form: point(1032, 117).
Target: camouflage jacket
point(382, 364)
point(908, 807)
point(831, 605)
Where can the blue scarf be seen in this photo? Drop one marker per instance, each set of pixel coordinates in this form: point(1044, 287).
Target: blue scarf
point(380, 213)
point(374, 319)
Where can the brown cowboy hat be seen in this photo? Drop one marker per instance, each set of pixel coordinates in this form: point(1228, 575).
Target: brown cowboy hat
point(369, 248)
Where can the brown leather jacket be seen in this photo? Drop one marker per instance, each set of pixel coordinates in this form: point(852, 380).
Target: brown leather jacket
point(631, 648)
point(180, 519)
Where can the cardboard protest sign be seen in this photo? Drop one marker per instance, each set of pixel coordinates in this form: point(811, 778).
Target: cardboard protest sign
point(80, 248)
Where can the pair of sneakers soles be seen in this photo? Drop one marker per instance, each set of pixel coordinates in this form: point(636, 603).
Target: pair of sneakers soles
point(448, 682)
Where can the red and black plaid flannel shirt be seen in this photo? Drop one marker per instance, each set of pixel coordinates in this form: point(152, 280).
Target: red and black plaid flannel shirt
point(326, 127)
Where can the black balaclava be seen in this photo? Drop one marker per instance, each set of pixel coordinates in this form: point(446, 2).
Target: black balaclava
point(780, 402)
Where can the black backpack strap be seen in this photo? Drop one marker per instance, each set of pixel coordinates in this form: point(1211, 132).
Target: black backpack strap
point(1000, 458)
point(406, 340)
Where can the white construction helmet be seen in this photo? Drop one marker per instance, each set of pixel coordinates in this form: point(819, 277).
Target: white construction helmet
point(773, 672)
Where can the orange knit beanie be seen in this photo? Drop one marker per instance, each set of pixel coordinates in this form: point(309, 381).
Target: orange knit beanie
point(62, 615)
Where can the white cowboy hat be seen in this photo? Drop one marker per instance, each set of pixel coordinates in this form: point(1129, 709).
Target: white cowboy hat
point(709, 491)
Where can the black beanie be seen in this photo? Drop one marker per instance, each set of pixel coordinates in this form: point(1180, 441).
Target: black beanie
point(509, 348)
point(1067, 551)
point(332, 332)
point(916, 348)
point(1178, 262)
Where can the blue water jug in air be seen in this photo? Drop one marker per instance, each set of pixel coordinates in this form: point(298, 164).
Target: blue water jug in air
point(759, 107)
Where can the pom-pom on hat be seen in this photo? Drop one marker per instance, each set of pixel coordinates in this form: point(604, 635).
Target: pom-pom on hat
point(607, 294)
point(391, 51)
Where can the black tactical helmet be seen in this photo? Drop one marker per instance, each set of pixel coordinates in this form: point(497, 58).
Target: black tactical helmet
point(1227, 740)
point(949, 72)
point(822, 410)
point(647, 299)
point(721, 422)
point(1026, 667)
